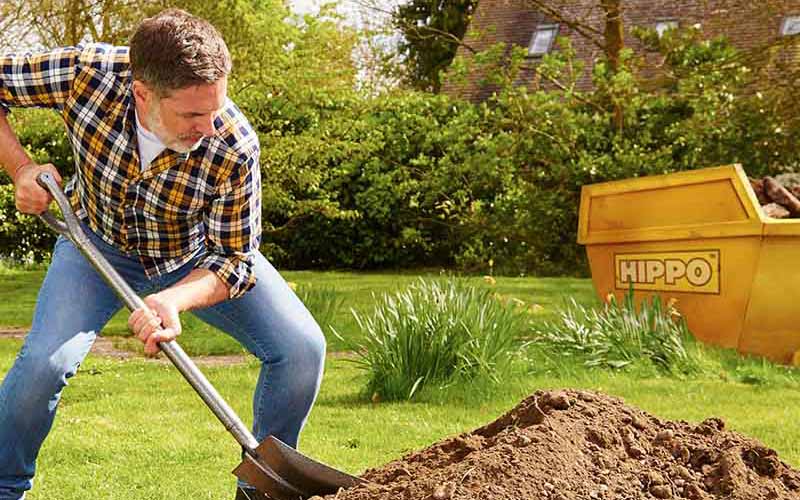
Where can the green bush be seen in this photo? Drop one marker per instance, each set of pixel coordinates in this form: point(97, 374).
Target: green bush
point(407, 179)
point(435, 332)
point(24, 239)
point(621, 336)
point(42, 133)
point(379, 165)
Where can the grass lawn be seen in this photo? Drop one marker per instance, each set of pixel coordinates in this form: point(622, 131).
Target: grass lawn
point(18, 291)
point(135, 430)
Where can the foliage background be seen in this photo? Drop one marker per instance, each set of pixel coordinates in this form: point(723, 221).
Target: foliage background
point(409, 179)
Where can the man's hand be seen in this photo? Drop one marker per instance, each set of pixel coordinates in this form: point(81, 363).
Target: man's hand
point(158, 323)
point(30, 197)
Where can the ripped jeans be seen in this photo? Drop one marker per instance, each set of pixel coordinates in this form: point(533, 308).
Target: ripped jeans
point(74, 303)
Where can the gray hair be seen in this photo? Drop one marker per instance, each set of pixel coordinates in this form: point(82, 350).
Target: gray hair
point(174, 50)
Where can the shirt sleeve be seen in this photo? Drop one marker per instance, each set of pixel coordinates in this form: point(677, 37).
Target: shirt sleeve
point(37, 79)
point(233, 229)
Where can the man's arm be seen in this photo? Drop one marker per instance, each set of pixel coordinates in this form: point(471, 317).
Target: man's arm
point(12, 155)
point(233, 228)
point(41, 80)
point(200, 288)
point(29, 196)
point(31, 80)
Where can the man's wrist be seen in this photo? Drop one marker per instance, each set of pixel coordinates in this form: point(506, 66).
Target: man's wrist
point(167, 296)
point(20, 168)
point(199, 289)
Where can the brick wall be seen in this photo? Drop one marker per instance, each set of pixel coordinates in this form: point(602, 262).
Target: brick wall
point(748, 24)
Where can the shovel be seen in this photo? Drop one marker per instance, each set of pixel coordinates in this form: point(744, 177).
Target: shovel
point(272, 467)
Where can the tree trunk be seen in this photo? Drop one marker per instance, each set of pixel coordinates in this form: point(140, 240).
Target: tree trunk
point(614, 36)
point(614, 43)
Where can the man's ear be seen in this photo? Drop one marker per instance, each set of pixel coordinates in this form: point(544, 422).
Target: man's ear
point(143, 94)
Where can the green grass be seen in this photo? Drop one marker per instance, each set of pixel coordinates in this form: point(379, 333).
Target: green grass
point(18, 291)
point(134, 430)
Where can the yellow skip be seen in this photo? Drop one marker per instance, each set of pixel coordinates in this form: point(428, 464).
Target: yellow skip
point(701, 237)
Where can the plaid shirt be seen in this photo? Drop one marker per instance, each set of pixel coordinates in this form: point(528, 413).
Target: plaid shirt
point(205, 202)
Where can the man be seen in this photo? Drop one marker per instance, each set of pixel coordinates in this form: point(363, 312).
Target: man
point(167, 186)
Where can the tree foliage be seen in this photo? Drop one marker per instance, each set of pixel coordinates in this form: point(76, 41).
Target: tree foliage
point(410, 179)
point(51, 23)
point(432, 32)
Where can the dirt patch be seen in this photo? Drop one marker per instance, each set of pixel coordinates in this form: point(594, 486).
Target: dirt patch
point(104, 346)
point(574, 445)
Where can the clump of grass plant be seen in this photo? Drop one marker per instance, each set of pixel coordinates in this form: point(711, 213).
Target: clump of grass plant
point(620, 335)
point(751, 370)
point(435, 332)
point(323, 302)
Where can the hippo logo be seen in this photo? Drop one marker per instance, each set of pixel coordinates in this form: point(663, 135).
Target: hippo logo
point(681, 271)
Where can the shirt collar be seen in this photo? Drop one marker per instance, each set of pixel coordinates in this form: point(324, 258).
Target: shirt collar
point(140, 130)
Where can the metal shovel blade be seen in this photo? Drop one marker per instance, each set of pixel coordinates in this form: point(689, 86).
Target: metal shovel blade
point(284, 473)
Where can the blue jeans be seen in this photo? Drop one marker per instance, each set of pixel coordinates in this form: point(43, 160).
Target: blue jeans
point(75, 303)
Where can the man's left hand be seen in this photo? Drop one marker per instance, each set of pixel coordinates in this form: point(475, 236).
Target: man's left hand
point(160, 322)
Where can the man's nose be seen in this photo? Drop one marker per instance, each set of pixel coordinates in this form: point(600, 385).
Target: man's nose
point(206, 126)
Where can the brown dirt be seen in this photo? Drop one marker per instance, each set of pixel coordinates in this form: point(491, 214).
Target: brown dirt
point(574, 445)
point(104, 346)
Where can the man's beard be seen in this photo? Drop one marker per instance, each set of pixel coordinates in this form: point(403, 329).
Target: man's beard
point(156, 126)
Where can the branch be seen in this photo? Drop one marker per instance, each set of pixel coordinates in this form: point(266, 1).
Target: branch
point(373, 7)
point(437, 33)
point(557, 83)
point(583, 28)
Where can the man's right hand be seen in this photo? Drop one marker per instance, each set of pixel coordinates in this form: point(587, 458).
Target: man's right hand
point(30, 197)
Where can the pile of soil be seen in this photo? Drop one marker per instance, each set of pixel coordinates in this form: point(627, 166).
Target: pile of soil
point(571, 445)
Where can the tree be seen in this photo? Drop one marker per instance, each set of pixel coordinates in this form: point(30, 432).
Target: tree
point(432, 32)
point(610, 39)
point(52, 23)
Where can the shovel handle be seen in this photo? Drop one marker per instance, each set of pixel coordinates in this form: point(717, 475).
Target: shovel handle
point(70, 227)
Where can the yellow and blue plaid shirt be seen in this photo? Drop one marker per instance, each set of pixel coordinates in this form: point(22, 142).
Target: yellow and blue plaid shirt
point(180, 205)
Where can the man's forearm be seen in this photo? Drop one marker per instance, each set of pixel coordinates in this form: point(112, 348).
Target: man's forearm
point(12, 154)
point(200, 288)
